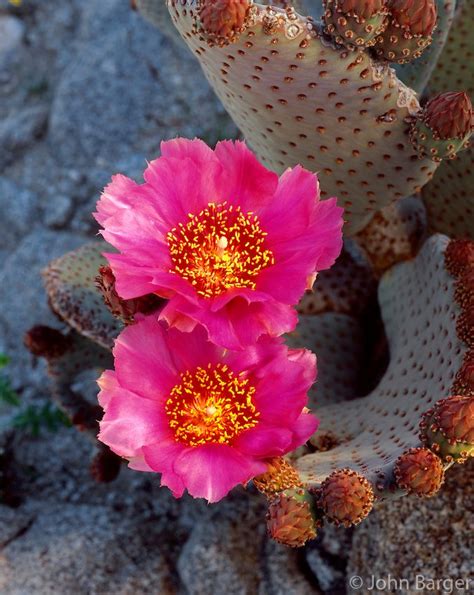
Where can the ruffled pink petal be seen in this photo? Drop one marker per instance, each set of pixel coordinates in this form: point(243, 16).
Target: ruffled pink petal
point(181, 188)
point(138, 463)
point(143, 361)
point(139, 235)
point(121, 193)
point(193, 350)
point(328, 233)
point(303, 428)
point(248, 183)
point(294, 202)
point(107, 383)
point(264, 441)
point(235, 326)
point(130, 422)
point(211, 471)
point(161, 457)
point(185, 148)
point(281, 406)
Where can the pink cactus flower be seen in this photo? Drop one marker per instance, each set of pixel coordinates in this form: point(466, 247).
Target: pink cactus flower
point(232, 246)
point(204, 417)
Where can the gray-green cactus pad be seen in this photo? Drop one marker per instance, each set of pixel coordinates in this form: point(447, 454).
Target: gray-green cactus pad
point(419, 313)
point(70, 284)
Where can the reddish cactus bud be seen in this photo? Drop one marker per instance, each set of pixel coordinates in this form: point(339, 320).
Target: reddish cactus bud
point(223, 20)
point(408, 34)
point(448, 428)
point(465, 324)
point(290, 519)
point(464, 381)
point(363, 9)
point(418, 17)
point(44, 341)
point(419, 472)
point(123, 309)
point(355, 23)
point(464, 293)
point(346, 497)
point(459, 257)
point(280, 476)
point(443, 127)
point(105, 466)
point(449, 115)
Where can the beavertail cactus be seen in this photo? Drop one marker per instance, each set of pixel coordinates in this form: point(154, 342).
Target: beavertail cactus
point(392, 323)
point(299, 99)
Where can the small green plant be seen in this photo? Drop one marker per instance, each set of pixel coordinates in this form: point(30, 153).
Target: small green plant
point(7, 394)
point(34, 418)
point(31, 418)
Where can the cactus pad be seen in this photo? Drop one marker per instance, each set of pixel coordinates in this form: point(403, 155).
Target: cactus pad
point(70, 284)
point(394, 234)
point(419, 312)
point(299, 99)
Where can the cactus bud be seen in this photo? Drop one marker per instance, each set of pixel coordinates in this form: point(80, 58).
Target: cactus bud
point(346, 497)
point(444, 126)
point(280, 475)
point(408, 34)
point(105, 466)
point(448, 428)
point(449, 115)
point(464, 294)
point(464, 382)
point(223, 20)
point(355, 23)
point(44, 341)
point(419, 472)
point(123, 309)
point(418, 17)
point(465, 322)
point(291, 519)
point(459, 257)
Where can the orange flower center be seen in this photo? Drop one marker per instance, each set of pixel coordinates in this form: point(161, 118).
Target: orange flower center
point(218, 249)
point(211, 405)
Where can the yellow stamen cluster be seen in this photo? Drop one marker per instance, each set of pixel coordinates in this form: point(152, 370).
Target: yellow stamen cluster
point(218, 249)
point(211, 405)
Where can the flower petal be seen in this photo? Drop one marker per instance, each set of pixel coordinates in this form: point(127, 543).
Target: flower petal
point(248, 183)
point(130, 422)
point(264, 441)
point(211, 471)
point(143, 361)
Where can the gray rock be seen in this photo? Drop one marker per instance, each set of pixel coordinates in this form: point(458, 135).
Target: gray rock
point(419, 541)
point(19, 213)
point(13, 523)
point(85, 550)
point(127, 89)
point(24, 301)
point(11, 35)
point(59, 211)
point(282, 572)
point(223, 552)
point(19, 130)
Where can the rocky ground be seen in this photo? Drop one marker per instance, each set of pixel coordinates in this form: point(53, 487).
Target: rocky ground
point(88, 89)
